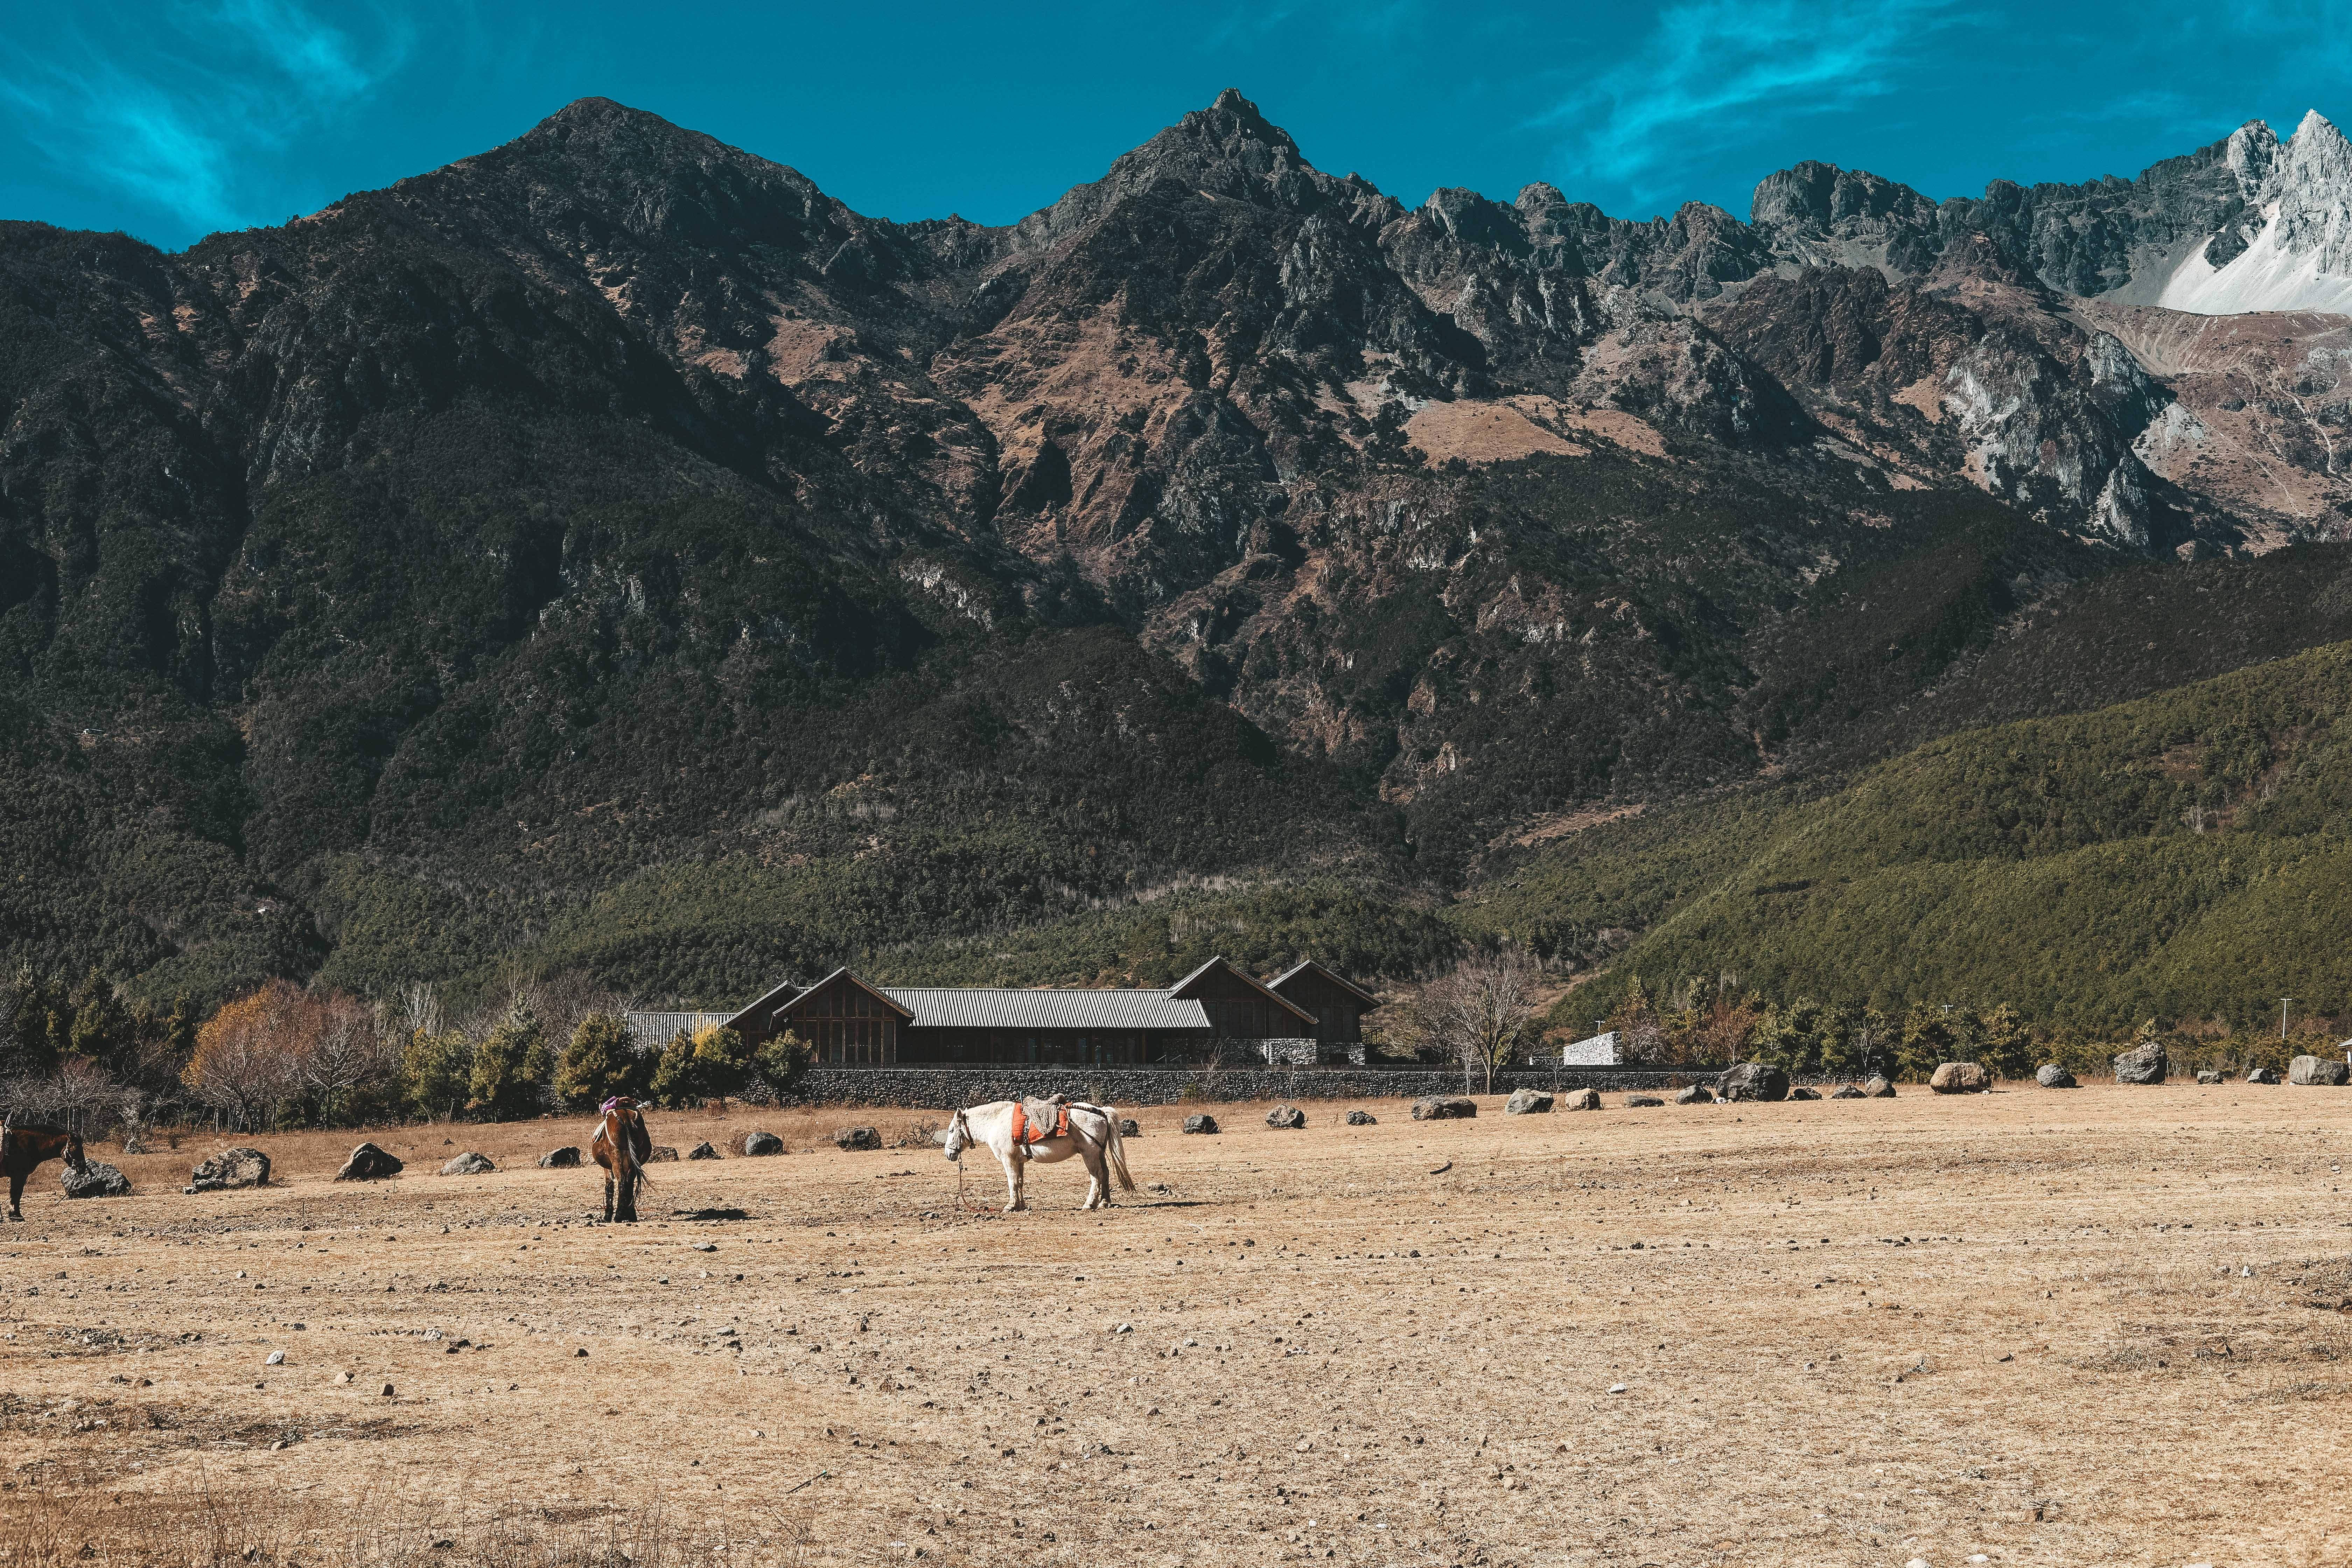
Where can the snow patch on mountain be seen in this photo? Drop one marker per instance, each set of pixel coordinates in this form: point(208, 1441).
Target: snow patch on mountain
point(2300, 255)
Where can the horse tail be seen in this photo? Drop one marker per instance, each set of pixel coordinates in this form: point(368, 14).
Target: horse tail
point(1117, 1151)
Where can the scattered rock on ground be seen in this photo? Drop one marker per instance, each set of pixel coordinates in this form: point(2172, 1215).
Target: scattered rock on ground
point(562, 1159)
point(1878, 1087)
point(2144, 1063)
point(1696, 1094)
point(1128, 1128)
point(468, 1164)
point(369, 1164)
point(96, 1179)
point(1753, 1080)
point(857, 1138)
point(1200, 1124)
point(660, 1152)
point(1801, 1092)
point(1959, 1078)
point(2316, 1072)
point(1527, 1102)
point(229, 1168)
point(2050, 1075)
point(1584, 1100)
point(1632, 1100)
point(755, 1143)
point(1443, 1106)
point(702, 1151)
point(2262, 1075)
point(1361, 1119)
point(1848, 1092)
point(1286, 1116)
point(2208, 1077)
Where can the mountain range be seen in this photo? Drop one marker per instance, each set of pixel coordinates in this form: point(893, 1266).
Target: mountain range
point(610, 551)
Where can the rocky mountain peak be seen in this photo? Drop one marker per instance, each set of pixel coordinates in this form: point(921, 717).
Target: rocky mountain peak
point(2253, 147)
point(2292, 249)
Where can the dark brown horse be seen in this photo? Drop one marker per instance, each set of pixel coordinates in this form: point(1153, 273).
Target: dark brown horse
point(22, 1149)
point(622, 1145)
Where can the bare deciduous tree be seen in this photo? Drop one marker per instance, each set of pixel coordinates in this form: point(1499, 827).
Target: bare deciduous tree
point(1483, 1012)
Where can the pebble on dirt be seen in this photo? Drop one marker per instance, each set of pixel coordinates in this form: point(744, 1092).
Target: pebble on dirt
point(369, 1164)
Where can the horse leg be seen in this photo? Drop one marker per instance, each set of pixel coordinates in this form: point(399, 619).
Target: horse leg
point(16, 1196)
point(608, 1197)
point(629, 1198)
point(1098, 1178)
point(1015, 1181)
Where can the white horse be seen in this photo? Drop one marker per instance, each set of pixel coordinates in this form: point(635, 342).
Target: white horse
point(1093, 1137)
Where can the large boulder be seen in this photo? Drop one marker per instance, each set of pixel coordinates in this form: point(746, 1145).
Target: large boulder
point(702, 1151)
point(1361, 1119)
point(1697, 1094)
point(96, 1180)
point(1582, 1100)
point(1753, 1080)
point(563, 1159)
point(2050, 1075)
point(2144, 1063)
point(2208, 1078)
point(1201, 1123)
point(2318, 1072)
point(468, 1164)
point(368, 1163)
point(1128, 1128)
point(1285, 1117)
point(1641, 1102)
point(2262, 1075)
point(755, 1144)
point(1801, 1092)
point(1959, 1078)
point(1444, 1107)
point(857, 1138)
point(1527, 1102)
point(1875, 1087)
point(1849, 1093)
point(226, 1168)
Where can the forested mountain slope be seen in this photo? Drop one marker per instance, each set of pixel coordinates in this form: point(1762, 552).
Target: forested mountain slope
point(610, 551)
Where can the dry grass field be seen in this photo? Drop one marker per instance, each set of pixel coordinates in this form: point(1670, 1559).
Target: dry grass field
point(2102, 1327)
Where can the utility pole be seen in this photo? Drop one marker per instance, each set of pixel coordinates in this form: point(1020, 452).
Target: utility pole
point(2282, 1002)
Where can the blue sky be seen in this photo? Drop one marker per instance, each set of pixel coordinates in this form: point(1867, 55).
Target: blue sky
point(171, 121)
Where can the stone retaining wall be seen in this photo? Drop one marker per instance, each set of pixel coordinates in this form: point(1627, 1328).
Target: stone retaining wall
point(927, 1088)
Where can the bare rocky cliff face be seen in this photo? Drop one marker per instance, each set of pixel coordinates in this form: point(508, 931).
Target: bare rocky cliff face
point(1484, 507)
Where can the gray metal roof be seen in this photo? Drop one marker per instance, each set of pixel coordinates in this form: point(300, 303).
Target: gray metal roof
point(983, 1007)
point(652, 1031)
point(1341, 981)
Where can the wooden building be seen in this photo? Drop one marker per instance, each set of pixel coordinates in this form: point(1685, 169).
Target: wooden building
point(850, 1022)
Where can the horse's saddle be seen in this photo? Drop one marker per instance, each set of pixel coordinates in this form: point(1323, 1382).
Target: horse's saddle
point(1034, 1120)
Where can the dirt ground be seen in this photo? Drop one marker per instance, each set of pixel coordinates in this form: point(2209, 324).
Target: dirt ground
point(2108, 1326)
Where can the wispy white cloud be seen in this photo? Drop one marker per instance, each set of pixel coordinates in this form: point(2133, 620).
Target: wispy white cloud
point(169, 120)
point(1713, 71)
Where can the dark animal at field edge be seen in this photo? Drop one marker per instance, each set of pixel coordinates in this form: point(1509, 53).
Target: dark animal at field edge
point(23, 1149)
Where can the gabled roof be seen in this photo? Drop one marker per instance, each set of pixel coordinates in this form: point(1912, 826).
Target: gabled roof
point(1252, 981)
point(652, 1031)
point(874, 991)
point(1341, 981)
point(789, 989)
point(991, 1007)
